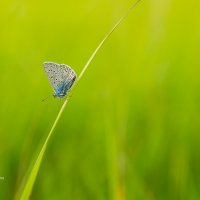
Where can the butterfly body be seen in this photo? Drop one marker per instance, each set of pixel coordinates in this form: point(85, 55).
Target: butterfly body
point(61, 77)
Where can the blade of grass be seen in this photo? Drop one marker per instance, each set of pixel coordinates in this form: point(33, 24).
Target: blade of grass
point(26, 192)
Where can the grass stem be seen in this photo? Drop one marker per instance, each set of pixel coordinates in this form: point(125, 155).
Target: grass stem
point(27, 189)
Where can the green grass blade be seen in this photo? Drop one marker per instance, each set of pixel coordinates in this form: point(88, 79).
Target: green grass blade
point(31, 179)
point(105, 38)
point(27, 189)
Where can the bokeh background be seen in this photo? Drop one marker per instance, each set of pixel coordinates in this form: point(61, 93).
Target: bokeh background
point(131, 130)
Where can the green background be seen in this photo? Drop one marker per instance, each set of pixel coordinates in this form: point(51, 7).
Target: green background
point(131, 130)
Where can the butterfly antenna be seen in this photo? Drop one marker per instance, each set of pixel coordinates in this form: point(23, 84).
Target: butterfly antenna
point(46, 98)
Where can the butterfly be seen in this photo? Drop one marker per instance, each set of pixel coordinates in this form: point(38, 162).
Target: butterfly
point(61, 77)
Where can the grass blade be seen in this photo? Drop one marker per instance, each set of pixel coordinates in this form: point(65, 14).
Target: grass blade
point(27, 189)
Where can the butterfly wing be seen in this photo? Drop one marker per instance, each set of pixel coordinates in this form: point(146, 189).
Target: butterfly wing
point(53, 73)
point(68, 74)
point(59, 74)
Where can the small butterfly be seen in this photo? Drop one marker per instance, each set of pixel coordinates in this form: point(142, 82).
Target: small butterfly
point(61, 77)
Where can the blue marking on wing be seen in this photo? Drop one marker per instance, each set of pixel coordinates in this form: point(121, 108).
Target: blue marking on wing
point(63, 88)
point(59, 90)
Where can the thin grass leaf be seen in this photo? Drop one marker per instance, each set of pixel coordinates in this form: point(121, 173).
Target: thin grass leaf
point(28, 186)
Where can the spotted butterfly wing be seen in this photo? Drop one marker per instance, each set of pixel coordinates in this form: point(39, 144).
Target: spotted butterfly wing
point(61, 77)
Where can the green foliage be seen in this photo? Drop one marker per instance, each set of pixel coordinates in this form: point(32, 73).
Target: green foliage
point(131, 130)
point(27, 185)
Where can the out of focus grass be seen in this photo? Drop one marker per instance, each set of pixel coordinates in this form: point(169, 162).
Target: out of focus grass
point(132, 129)
point(26, 187)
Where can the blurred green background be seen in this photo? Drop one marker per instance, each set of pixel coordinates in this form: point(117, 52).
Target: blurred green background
point(131, 131)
